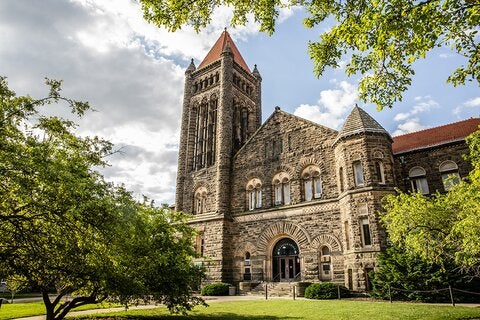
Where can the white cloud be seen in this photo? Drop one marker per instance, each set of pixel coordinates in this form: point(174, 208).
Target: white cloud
point(446, 55)
point(469, 104)
point(411, 125)
point(127, 27)
point(102, 59)
point(401, 116)
point(332, 106)
point(475, 102)
point(410, 120)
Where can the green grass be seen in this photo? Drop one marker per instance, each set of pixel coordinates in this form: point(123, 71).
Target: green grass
point(305, 310)
point(20, 310)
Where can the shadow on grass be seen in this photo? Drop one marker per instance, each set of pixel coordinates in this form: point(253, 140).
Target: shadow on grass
point(217, 316)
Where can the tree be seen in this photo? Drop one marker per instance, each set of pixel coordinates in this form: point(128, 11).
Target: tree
point(409, 277)
point(65, 230)
point(382, 38)
point(443, 227)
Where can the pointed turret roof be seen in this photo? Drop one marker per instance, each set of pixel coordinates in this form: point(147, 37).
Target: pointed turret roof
point(360, 121)
point(215, 53)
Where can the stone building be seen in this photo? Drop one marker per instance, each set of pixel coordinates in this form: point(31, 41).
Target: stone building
point(289, 199)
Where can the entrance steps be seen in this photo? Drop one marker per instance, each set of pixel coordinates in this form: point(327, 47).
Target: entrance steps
point(274, 289)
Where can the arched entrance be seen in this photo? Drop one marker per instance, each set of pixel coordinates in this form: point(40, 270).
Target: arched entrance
point(286, 262)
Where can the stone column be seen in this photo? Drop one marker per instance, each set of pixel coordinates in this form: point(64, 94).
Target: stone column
point(183, 146)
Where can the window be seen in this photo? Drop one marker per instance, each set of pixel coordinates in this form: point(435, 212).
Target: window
point(418, 180)
point(200, 201)
point(380, 171)
point(325, 265)
point(449, 172)
point(365, 230)
point(205, 133)
point(312, 184)
point(200, 244)
point(281, 188)
point(358, 174)
point(254, 194)
point(340, 176)
point(347, 235)
point(247, 275)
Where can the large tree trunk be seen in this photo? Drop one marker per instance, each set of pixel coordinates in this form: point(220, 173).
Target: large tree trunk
point(55, 310)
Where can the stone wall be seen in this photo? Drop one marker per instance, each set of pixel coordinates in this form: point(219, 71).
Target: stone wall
point(430, 159)
point(284, 143)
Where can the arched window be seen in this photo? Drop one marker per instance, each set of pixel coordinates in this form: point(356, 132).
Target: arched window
point(325, 264)
point(312, 184)
point(450, 176)
point(380, 171)
point(244, 125)
point(281, 188)
point(418, 180)
point(254, 194)
point(358, 173)
point(205, 133)
point(379, 168)
point(200, 201)
point(247, 275)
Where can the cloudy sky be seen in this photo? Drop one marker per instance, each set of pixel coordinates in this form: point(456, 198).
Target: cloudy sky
point(132, 74)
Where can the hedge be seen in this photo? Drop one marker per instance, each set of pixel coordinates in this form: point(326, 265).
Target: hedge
point(325, 290)
point(215, 289)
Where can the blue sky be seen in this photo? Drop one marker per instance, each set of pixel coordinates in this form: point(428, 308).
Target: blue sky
point(132, 73)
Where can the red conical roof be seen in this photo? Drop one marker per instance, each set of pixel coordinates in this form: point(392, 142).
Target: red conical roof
point(217, 49)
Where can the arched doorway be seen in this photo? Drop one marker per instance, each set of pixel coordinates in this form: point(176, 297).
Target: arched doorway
point(286, 262)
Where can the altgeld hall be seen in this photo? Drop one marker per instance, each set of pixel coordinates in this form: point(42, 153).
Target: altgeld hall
point(290, 200)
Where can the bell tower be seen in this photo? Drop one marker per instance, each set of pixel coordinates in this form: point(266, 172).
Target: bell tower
point(221, 110)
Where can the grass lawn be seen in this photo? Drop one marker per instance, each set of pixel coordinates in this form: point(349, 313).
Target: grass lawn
point(305, 310)
point(20, 310)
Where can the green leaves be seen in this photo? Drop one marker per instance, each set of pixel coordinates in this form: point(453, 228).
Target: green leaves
point(67, 231)
point(384, 38)
point(443, 227)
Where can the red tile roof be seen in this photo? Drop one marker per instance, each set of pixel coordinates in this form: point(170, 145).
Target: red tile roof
point(435, 136)
point(217, 49)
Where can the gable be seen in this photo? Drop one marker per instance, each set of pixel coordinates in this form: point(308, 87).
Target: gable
point(291, 131)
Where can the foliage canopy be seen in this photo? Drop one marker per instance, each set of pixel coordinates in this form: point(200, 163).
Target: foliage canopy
point(381, 38)
point(442, 227)
point(65, 230)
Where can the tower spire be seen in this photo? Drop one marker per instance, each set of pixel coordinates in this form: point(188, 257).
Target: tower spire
point(225, 40)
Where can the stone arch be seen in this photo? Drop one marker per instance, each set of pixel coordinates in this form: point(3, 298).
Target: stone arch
point(277, 230)
point(327, 240)
point(283, 168)
point(255, 173)
point(200, 184)
point(305, 162)
point(246, 247)
point(377, 154)
point(357, 156)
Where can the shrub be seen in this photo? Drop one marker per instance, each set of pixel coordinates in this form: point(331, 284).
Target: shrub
point(325, 290)
point(215, 289)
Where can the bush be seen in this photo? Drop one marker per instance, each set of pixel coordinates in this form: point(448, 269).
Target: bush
point(325, 290)
point(215, 289)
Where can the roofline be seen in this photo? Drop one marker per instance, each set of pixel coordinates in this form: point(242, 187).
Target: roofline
point(277, 109)
point(360, 131)
point(429, 146)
